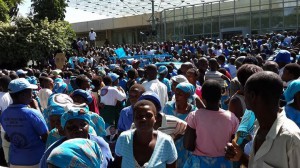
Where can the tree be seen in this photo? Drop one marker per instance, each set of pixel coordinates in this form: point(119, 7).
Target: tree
point(24, 40)
point(51, 9)
point(9, 9)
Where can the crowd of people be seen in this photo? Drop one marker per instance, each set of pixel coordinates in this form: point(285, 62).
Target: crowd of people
point(230, 103)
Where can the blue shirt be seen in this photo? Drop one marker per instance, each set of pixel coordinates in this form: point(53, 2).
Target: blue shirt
point(125, 119)
point(108, 158)
point(293, 114)
point(164, 151)
point(24, 126)
point(122, 83)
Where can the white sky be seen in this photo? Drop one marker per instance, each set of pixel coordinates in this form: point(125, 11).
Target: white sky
point(72, 15)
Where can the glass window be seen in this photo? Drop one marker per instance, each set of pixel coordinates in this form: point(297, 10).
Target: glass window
point(255, 2)
point(227, 21)
point(207, 26)
point(277, 18)
point(242, 20)
point(265, 19)
point(215, 24)
point(189, 30)
point(198, 26)
point(289, 17)
point(255, 20)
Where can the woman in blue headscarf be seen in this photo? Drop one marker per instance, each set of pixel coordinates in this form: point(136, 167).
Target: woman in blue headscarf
point(180, 108)
point(76, 153)
point(292, 97)
point(75, 122)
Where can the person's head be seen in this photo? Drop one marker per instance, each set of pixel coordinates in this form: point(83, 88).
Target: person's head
point(135, 93)
point(144, 112)
point(107, 81)
point(292, 94)
point(56, 105)
point(271, 66)
point(20, 91)
point(153, 97)
point(96, 82)
point(184, 91)
point(76, 153)
point(162, 71)
point(263, 90)
point(83, 82)
point(21, 73)
point(282, 58)
point(185, 66)
point(250, 60)
point(239, 61)
point(75, 123)
point(114, 78)
point(4, 82)
point(192, 75)
point(213, 64)
point(202, 64)
point(245, 71)
point(80, 96)
point(132, 73)
point(151, 72)
point(48, 83)
point(291, 71)
point(175, 80)
point(211, 91)
point(221, 59)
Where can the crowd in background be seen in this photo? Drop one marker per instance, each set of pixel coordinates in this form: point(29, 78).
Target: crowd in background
point(207, 103)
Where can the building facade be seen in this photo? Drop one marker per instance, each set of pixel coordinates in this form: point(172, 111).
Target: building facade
point(214, 19)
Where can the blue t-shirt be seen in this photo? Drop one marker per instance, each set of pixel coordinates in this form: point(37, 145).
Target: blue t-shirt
point(164, 151)
point(292, 114)
point(125, 119)
point(24, 126)
point(107, 156)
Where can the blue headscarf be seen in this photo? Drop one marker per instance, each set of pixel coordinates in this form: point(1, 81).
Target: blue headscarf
point(75, 113)
point(60, 87)
point(291, 90)
point(86, 95)
point(187, 88)
point(76, 152)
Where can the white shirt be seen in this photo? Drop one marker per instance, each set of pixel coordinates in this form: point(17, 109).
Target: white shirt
point(110, 95)
point(44, 95)
point(281, 148)
point(5, 101)
point(92, 35)
point(159, 88)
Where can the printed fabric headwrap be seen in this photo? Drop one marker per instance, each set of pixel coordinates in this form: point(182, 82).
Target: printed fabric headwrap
point(74, 113)
point(187, 88)
point(292, 89)
point(77, 152)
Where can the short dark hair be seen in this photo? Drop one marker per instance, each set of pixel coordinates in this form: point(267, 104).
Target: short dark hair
point(131, 73)
point(142, 103)
point(96, 81)
point(268, 85)
point(4, 81)
point(211, 91)
point(80, 79)
point(245, 71)
point(293, 69)
point(107, 80)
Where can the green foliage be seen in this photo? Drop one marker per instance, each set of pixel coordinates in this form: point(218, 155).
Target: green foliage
point(52, 9)
point(24, 40)
point(4, 11)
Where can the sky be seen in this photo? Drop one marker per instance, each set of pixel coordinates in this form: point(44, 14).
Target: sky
point(72, 15)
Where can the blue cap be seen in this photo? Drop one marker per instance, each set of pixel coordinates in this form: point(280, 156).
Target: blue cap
point(20, 72)
point(20, 84)
point(162, 69)
point(60, 87)
point(113, 76)
point(283, 56)
point(86, 95)
point(153, 97)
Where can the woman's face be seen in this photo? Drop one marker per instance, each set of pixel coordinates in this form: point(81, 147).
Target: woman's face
point(191, 77)
point(55, 122)
point(144, 118)
point(76, 128)
point(181, 96)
